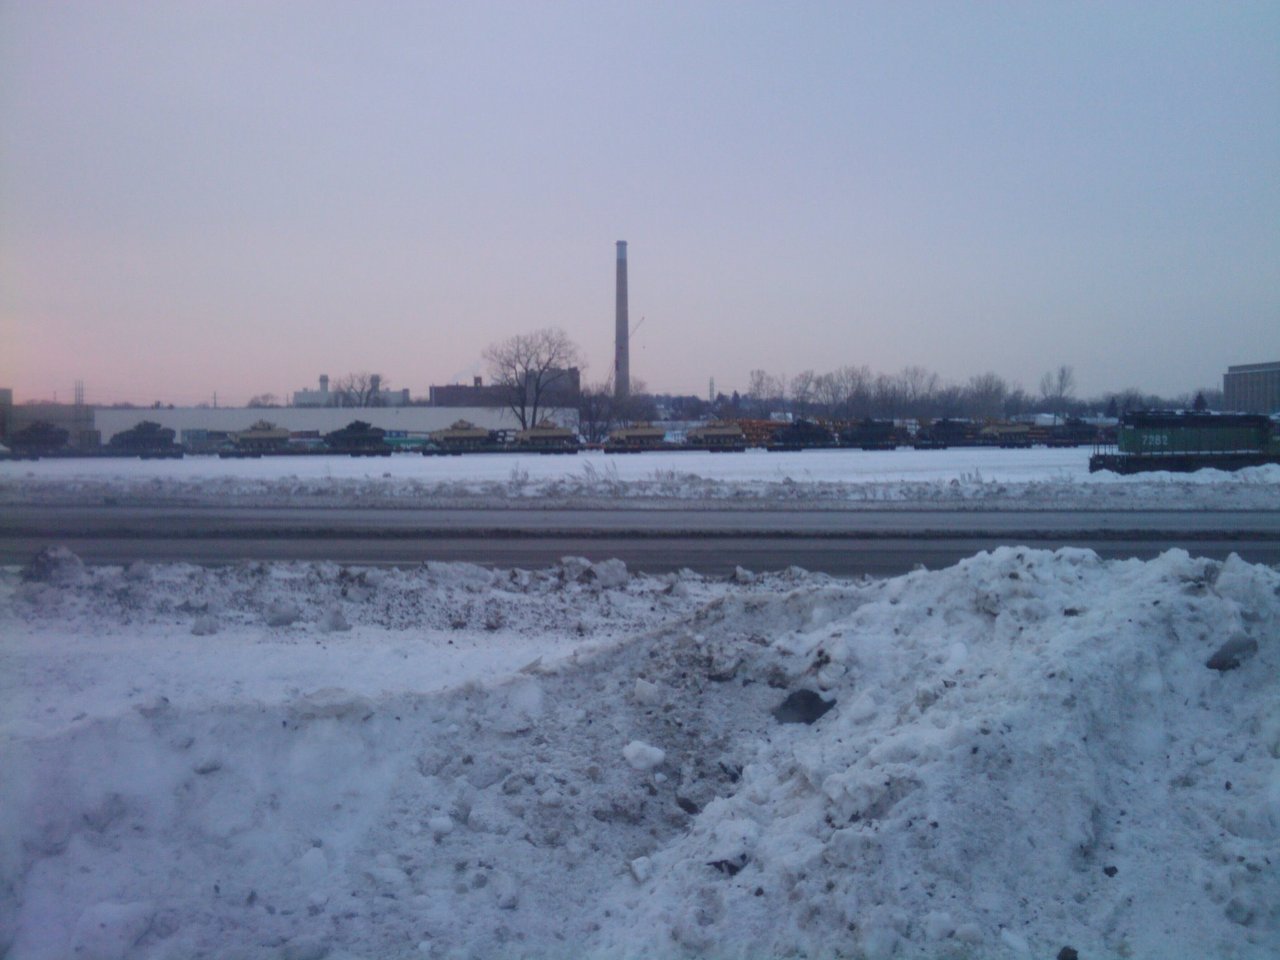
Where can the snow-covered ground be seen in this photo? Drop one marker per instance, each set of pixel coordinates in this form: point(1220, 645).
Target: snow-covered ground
point(983, 477)
point(1028, 752)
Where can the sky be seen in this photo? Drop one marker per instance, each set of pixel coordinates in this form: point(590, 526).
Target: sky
point(231, 198)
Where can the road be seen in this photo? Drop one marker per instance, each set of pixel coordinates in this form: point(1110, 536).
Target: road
point(711, 540)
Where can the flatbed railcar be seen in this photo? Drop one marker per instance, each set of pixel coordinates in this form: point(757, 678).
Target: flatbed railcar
point(641, 438)
point(873, 435)
point(801, 435)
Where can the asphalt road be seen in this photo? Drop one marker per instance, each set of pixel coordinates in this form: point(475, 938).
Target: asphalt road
point(710, 540)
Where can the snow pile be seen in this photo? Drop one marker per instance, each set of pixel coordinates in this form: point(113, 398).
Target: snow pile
point(985, 477)
point(1024, 753)
point(267, 632)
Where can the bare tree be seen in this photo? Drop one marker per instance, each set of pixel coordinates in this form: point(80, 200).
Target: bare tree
point(950, 401)
point(637, 407)
point(986, 395)
point(596, 411)
point(1056, 387)
point(534, 368)
point(827, 393)
point(762, 389)
point(916, 387)
point(802, 391)
point(845, 392)
point(858, 383)
point(1016, 402)
point(886, 395)
point(263, 400)
point(359, 390)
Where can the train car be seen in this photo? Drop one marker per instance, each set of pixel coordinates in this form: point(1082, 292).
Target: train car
point(718, 437)
point(1011, 436)
point(461, 437)
point(800, 435)
point(261, 438)
point(547, 437)
point(636, 439)
point(1183, 441)
point(947, 432)
point(873, 435)
point(358, 439)
point(1071, 433)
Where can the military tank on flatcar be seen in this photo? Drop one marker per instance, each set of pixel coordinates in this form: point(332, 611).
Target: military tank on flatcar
point(717, 437)
point(873, 435)
point(358, 439)
point(636, 439)
point(461, 437)
point(801, 435)
point(947, 432)
point(547, 437)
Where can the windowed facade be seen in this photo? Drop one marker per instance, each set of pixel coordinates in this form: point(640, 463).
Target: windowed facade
point(1252, 388)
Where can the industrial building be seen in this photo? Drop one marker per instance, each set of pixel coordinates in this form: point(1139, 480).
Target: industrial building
point(378, 396)
point(475, 394)
point(1252, 388)
point(562, 388)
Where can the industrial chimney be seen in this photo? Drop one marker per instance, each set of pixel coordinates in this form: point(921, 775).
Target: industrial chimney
point(622, 333)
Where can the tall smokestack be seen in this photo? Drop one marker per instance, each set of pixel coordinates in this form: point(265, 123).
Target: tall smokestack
point(622, 333)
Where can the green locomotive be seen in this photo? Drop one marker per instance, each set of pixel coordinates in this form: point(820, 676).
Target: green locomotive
point(1182, 441)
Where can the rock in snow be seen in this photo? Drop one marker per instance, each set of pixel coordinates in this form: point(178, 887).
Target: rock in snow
point(55, 565)
point(205, 625)
point(642, 756)
point(1027, 751)
point(802, 706)
point(281, 613)
point(1232, 653)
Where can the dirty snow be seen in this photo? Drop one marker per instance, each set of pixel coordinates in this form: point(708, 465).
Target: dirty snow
point(1021, 754)
point(985, 477)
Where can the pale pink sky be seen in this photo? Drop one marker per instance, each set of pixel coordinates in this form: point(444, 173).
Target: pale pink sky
point(239, 196)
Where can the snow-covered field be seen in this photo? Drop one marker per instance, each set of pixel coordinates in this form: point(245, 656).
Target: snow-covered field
point(1026, 752)
point(1030, 754)
point(989, 478)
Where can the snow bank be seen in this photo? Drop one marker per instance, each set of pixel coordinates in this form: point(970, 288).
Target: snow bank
point(981, 476)
point(1019, 754)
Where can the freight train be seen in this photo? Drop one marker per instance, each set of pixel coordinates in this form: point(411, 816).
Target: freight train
point(1182, 441)
point(361, 439)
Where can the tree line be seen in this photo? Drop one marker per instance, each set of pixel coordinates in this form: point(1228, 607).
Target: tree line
point(538, 371)
point(532, 367)
point(858, 393)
